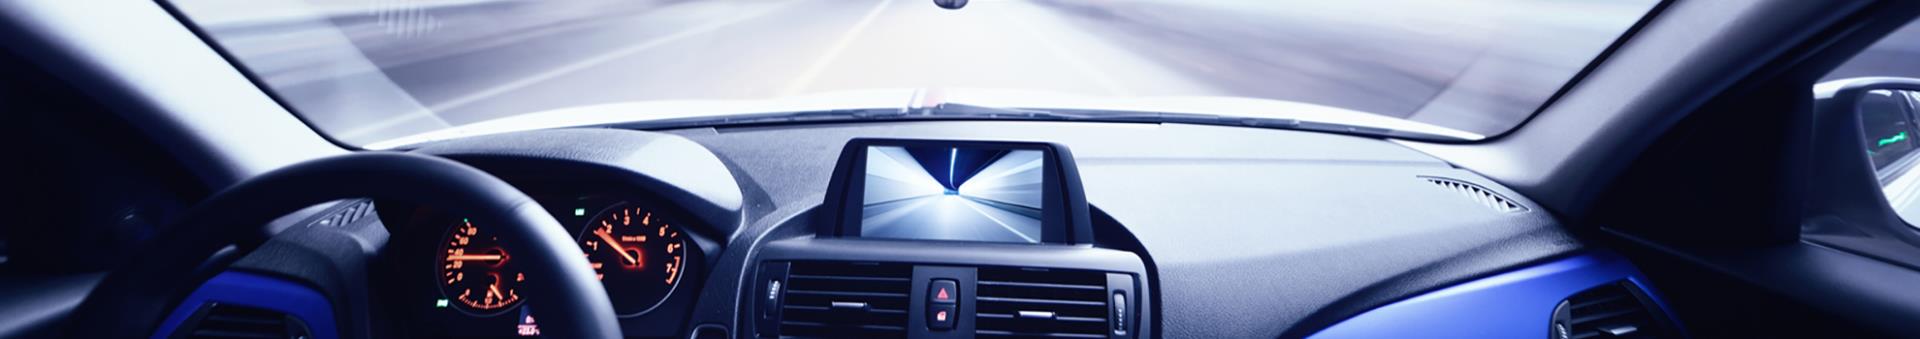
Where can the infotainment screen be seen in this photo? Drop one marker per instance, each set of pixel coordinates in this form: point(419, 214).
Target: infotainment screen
point(954, 193)
point(956, 190)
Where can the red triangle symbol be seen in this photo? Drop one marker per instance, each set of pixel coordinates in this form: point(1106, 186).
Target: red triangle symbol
point(943, 295)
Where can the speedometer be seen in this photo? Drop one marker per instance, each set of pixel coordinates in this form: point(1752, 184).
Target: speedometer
point(476, 271)
point(637, 254)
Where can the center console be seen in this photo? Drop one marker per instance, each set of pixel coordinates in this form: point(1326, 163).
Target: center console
point(950, 239)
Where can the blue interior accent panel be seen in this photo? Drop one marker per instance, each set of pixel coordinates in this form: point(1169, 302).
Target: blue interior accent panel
point(260, 291)
point(1517, 304)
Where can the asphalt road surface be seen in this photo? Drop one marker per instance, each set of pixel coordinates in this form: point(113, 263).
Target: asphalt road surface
point(1473, 65)
point(948, 217)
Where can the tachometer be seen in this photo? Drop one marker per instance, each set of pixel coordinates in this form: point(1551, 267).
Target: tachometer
point(639, 256)
point(476, 271)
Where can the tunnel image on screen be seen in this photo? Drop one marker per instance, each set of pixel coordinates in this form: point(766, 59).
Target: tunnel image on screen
point(947, 193)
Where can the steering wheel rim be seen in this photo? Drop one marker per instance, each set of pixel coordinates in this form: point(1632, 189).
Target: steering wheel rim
point(137, 294)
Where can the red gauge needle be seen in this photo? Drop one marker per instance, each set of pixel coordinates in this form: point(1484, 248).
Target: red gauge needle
point(476, 257)
point(629, 257)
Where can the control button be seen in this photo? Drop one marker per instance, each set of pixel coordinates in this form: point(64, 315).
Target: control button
point(769, 294)
point(771, 302)
point(1119, 313)
point(940, 317)
point(943, 291)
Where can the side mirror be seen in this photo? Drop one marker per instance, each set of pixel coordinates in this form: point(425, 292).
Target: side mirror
point(1867, 147)
point(950, 4)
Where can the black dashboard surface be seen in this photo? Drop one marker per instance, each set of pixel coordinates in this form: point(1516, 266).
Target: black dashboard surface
point(1247, 232)
point(1243, 232)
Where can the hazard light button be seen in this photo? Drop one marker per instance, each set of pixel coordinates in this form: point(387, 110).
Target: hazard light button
point(943, 291)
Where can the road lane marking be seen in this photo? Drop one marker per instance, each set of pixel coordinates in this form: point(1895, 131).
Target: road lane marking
point(1003, 224)
point(833, 53)
point(577, 66)
point(1072, 60)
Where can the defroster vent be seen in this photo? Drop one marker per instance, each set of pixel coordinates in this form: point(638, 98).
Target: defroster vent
point(1481, 195)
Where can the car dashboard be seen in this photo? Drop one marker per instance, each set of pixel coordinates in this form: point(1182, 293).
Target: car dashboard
point(1195, 231)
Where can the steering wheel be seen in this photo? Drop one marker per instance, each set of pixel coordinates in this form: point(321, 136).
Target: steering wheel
point(136, 295)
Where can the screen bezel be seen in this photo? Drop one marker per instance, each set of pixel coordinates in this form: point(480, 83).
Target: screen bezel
point(1064, 212)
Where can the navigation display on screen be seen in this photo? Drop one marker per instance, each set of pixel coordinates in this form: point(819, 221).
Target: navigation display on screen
point(953, 193)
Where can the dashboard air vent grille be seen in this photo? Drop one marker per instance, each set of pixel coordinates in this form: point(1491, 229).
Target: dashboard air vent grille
point(1482, 195)
point(1609, 311)
point(1034, 303)
point(846, 300)
point(229, 321)
point(346, 214)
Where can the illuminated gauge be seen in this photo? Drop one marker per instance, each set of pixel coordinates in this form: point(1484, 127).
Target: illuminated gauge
point(638, 255)
point(476, 271)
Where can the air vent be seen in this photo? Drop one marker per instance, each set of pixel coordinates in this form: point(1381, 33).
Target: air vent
point(217, 320)
point(846, 300)
point(1479, 194)
point(1611, 311)
point(1032, 303)
point(346, 214)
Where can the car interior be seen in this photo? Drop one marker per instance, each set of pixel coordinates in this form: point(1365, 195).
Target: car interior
point(1723, 169)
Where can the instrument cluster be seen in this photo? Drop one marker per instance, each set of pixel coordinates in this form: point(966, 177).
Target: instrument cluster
point(643, 253)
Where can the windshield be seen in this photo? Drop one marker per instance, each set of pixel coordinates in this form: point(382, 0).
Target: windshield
point(365, 71)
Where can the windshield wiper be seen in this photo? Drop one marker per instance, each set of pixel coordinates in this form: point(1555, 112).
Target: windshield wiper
point(766, 118)
point(952, 111)
point(941, 112)
point(956, 111)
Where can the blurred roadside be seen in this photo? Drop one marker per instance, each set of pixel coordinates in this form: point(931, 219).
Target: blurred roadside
point(394, 33)
point(1481, 66)
point(1897, 55)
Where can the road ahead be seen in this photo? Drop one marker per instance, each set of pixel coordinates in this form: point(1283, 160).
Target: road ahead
point(471, 60)
point(770, 49)
point(949, 217)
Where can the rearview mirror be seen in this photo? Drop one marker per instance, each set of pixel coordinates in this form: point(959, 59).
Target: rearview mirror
point(950, 4)
point(1867, 136)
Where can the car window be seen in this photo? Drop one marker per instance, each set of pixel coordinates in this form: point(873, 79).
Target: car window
point(1897, 55)
point(1888, 118)
point(364, 71)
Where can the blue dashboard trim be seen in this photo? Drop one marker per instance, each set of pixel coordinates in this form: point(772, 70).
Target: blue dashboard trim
point(1516, 304)
point(1652, 295)
point(255, 290)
